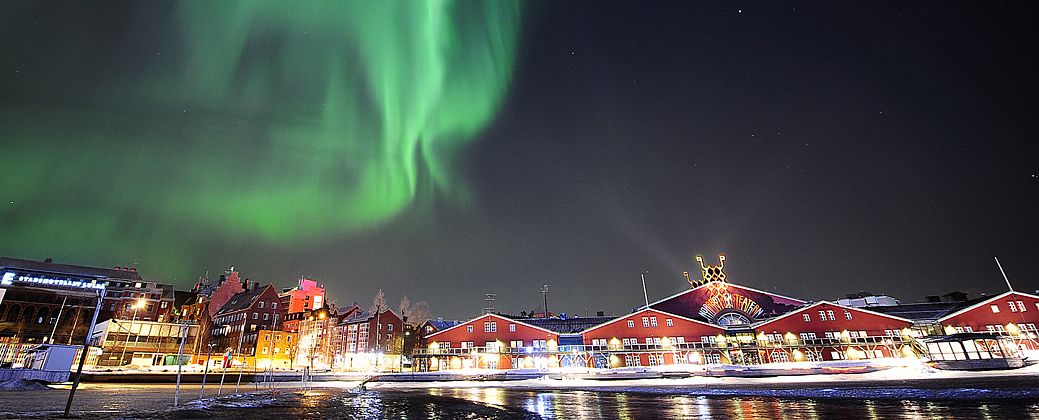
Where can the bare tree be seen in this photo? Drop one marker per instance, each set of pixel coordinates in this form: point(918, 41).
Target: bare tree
point(378, 304)
point(404, 307)
point(418, 313)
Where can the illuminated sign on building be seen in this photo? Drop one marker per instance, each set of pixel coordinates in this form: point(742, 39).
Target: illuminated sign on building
point(10, 278)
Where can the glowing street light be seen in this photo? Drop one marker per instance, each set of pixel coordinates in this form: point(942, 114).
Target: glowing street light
point(140, 303)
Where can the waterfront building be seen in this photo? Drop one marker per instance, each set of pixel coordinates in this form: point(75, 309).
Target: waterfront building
point(237, 323)
point(720, 322)
point(490, 341)
point(1015, 314)
point(315, 329)
point(135, 298)
point(306, 296)
point(275, 348)
point(370, 340)
point(652, 338)
point(141, 343)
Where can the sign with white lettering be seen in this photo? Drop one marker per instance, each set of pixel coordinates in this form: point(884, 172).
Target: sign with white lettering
point(11, 278)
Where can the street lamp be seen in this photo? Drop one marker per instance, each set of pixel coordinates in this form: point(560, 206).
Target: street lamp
point(136, 306)
point(404, 345)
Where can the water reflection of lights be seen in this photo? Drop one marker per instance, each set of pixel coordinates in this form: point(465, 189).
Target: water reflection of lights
point(683, 406)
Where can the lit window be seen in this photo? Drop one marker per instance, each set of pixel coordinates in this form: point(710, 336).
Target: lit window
point(829, 315)
point(653, 321)
point(995, 309)
point(631, 324)
point(265, 316)
point(274, 305)
point(1013, 308)
point(261, 305)
point(807, 317)
point(1020, 306)
point(256, 315)
point(822, 315)
point(670, 322)
point(389, 327)
point(847, 315)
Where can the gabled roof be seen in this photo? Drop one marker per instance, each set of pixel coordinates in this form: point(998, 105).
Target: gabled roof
point(821, 302)
point(503, 318)
point(728, 285)
point(985, 301)
point(569, 325)
point(586, 330)
point(243, 300)
point(361, 315)
point(441, 324)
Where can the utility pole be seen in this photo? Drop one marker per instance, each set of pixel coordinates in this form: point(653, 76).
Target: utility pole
point(86, 348)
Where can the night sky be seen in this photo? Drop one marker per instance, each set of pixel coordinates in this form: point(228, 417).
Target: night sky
point(445, 151)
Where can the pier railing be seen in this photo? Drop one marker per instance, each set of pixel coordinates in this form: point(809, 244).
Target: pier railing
point(665, 347)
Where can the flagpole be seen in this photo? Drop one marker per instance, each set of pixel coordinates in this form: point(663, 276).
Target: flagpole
point(1004, 274)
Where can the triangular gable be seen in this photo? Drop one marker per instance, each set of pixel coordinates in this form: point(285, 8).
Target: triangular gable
point(496, 317)
point(847, 308)
point(985, 302)
point(703, 302)
point(728, 285)
point(619, 318)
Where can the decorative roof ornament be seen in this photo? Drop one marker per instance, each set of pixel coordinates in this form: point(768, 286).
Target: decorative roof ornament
point(711, 272)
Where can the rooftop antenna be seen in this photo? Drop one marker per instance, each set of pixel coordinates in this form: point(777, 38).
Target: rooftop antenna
point(489, 298)
point(1004, 274)
point(544, 293)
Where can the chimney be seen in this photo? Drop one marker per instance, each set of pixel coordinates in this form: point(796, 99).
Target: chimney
point(256, 285)
point(222, 278)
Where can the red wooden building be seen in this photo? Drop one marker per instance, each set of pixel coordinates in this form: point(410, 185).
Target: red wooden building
point(676, 339)
point(828, 331)
point(1013, 313)
point(490, 341)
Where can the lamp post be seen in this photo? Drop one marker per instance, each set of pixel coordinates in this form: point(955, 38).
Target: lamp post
point(404, 345)
point(136, 306)
point(83, 353)
point(205, 372)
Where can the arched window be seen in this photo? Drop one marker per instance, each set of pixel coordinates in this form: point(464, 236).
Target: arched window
point(27, 315)
point(12, 313)
point(41, 317)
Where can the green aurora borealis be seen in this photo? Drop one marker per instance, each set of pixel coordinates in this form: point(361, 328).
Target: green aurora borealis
point(270, 121)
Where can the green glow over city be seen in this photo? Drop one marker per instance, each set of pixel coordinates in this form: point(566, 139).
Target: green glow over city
point(271, 121)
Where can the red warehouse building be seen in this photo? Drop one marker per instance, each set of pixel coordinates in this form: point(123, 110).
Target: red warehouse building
point(489, 342)
point(1012, 313)
point(651, 337)
point(828, 331)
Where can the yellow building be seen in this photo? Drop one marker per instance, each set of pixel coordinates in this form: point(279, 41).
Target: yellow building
point(275, 348)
